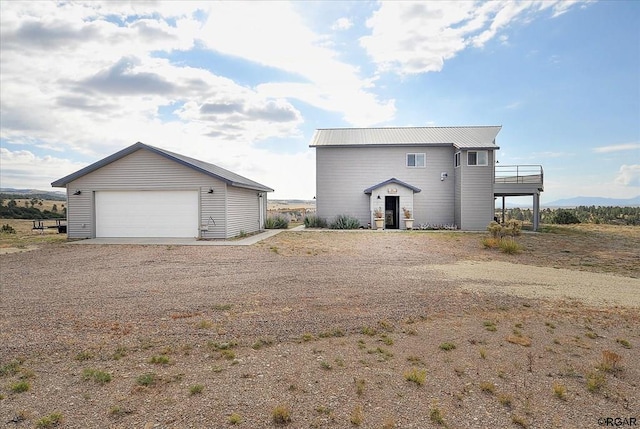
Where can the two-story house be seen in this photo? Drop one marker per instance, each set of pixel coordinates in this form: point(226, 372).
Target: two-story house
point(442, 175)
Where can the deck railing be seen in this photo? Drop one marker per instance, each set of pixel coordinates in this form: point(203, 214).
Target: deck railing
point(529, 174)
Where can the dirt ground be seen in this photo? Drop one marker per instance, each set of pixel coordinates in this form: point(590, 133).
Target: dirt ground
point(325, 330)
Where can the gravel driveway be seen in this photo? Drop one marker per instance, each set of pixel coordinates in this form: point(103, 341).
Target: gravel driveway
point(327, 325)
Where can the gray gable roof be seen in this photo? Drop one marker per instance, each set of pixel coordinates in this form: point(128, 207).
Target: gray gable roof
point(370, 189)
point(212, 170)
point(468, 137)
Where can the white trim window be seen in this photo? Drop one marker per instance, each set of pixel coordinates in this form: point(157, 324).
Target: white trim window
point(456, 159)
point(478, 157)
point(416, 160)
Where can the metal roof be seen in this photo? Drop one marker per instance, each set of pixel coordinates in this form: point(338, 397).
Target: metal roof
point(467, 137)
point(369, 190)
point(212, 170)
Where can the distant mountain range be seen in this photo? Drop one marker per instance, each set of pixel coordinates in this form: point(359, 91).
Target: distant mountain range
point(34, 193)
point(595, 201)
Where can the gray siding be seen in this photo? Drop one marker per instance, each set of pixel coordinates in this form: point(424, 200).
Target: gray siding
point(476, 194)
point(80, 217)
point(245, 205)
point(143, 170)
point(343, 173)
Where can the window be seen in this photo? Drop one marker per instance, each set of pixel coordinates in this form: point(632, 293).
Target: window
point(479, 157)
point(456, 159)
point(416, 160)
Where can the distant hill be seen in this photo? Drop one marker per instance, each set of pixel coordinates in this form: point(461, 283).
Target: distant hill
point(595, 201)
point(32, 193)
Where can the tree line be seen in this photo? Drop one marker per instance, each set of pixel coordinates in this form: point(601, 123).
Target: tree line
point(613, 215)
point(30, 210)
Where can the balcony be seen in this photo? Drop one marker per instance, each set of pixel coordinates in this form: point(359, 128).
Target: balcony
point(518, 180)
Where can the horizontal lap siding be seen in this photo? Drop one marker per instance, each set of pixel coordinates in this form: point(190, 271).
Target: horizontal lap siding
point(342, 175)
point(141, 171)
point(476, 196)
point(243, 211)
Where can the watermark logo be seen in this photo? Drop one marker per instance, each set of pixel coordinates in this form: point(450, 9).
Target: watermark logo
point(618, 421)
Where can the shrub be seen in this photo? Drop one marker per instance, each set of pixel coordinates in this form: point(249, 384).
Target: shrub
point(415, 375)
point(20, 387)
point(510, 246)
point(315, 222)
point(235, 419)
point(281, 415)
point(148, 379)
point(49, 421)
point(447, 346)
point(196, 389)
point(7, 229)
point(100, 377)
point(345, 222)
point(494, 229)
point(276, 222)
point(565, 217)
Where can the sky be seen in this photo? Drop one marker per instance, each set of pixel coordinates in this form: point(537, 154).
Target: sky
point(245, 85)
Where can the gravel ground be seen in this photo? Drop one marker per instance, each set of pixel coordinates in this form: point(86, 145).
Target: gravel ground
point(329, 326)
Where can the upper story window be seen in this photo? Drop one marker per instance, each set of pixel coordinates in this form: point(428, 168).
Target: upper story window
point(416, 160)
point(478, 157)
point(456, 159)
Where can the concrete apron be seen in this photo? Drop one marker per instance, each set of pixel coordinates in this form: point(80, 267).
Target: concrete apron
point(247, 241)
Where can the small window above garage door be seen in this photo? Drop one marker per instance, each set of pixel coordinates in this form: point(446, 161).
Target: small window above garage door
point(146, 213)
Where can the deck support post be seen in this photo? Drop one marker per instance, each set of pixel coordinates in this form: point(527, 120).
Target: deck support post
point(503, 207)
point(536, 210)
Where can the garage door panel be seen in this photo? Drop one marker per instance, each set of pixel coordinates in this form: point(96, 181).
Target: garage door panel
point(146, 213)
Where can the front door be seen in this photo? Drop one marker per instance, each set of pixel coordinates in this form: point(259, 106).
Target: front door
point(391, 215)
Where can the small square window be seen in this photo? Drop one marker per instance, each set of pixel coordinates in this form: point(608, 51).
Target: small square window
point(416, 160)
point(480, 157)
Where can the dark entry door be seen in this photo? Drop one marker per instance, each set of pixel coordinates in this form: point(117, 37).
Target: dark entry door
point(391, 215)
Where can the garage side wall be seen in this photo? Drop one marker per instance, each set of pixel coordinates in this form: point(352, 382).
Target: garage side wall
point(243, 211)
point(142, 171)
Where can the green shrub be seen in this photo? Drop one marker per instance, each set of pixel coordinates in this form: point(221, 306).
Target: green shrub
point(345, 222)
point(315, 222)
point(565, 217)
point(52, 420)
point(20, 387)
point(7, 229)
point(276, 222)
point(510, 246)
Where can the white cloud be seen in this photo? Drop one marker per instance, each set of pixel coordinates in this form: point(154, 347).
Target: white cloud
point(273, 34)
point(418, 37)
point(618, 148)
point(342, 24)
point(30, 171)
point(629, 175)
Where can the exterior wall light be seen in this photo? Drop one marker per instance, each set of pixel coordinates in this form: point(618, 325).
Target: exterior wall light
point(77, 192)
point(210, 191)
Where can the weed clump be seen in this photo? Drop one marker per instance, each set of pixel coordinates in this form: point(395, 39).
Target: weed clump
point(416, 375)
point(281, 415)
point(100, 377)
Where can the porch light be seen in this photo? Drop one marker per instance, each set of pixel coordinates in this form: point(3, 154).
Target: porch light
point(379, 197)
point(210, 191)
point(77, 192)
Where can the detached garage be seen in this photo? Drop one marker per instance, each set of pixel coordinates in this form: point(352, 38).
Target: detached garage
point(145, 191)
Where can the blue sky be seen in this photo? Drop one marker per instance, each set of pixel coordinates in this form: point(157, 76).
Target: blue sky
point(244, 85)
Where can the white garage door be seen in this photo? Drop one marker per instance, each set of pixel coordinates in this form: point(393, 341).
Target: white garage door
point(147, 214)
